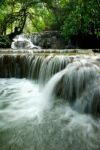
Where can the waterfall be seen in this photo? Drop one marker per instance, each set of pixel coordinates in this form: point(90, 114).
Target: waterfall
point(89, 102)
point(13, 66)
point(23, 42)
point(49, 102)
point(34, 66)
point(38, 67)
point(73, 82)
point(48, 90)
point(68, 78)
point(51, 65)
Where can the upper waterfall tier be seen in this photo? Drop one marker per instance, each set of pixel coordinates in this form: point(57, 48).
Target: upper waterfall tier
point(21, 42)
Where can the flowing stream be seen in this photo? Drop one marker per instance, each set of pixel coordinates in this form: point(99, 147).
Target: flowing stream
point(34, 116)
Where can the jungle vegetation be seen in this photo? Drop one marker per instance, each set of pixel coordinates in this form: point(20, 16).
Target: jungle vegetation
point(74, 19)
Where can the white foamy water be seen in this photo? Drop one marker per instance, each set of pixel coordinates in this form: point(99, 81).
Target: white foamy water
point(20, 99)
point(28, 121)
point(21, 42)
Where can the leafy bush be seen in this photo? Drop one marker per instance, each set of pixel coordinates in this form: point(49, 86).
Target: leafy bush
point(4, 42)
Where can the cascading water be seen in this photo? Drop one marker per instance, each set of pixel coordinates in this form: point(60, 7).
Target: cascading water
point(58, 112)
point(51, 65)
point(22, 42)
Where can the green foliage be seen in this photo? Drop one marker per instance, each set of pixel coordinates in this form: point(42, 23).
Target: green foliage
point(31, 16)
point(4, 42)
point(70, 17)
point(83, 19)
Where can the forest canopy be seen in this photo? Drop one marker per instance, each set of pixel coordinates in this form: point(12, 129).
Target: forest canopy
point(69, 17)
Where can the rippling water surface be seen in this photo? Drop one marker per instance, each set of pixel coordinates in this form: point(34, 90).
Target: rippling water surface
point(30, 121)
